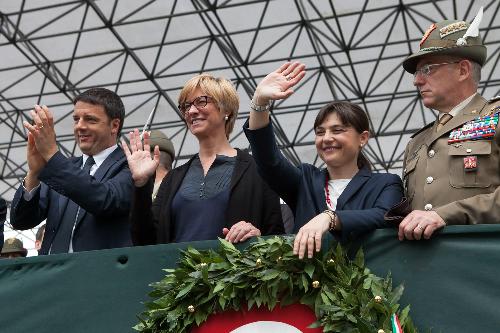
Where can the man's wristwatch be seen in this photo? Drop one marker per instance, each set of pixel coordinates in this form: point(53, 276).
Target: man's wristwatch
point(259, 108)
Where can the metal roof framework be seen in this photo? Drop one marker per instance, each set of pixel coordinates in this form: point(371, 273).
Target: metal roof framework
point(145, 50)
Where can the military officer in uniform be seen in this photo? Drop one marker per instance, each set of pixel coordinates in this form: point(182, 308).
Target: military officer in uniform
point(452, 166)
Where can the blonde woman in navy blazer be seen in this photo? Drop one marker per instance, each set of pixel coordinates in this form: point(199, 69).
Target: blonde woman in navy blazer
point(217, 193)
point(345, 198)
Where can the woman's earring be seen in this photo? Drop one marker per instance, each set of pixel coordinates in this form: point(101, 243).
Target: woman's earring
point(226, 117)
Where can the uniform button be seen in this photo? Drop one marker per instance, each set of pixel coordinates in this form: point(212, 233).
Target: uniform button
point(429, 180)
point(469, 150)
point(431, 153)
point(428, 207)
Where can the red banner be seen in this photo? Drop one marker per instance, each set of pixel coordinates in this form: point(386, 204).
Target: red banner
point(290, 319)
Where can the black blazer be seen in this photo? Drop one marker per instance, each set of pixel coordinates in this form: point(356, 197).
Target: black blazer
point(250, 200)
point(104, 199)
point(361, 207)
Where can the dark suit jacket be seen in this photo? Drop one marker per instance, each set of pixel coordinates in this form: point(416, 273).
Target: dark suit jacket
point(250, 200)
point(360, 208)
point(104, 199)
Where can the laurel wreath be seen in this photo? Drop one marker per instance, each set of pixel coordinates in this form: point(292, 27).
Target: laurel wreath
point(343, 293)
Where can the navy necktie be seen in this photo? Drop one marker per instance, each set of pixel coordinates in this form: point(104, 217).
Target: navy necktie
point(69, 218)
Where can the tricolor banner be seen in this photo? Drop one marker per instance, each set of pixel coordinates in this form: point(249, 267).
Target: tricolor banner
point(396, 326)
point(294, 318)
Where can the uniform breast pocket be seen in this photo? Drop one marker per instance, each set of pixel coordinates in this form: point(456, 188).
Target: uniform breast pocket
point(409, 178)
point(462, 176)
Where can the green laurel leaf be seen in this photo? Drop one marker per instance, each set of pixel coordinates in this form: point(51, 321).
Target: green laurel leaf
point(267, 273)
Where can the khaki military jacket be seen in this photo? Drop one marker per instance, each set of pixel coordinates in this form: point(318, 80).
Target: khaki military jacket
point(435, 176)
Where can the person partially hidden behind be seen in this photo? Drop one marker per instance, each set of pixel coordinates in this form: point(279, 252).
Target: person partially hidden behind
point(345, 197)
point(13, 248)
point(86, 200)
point(39, 237)
point(451, 166)
point(167, 156)
point(217, 193)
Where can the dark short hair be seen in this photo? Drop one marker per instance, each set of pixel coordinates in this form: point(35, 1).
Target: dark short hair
point(350, 115)
point(40, 232)
point(166, 160)
point(111, 102)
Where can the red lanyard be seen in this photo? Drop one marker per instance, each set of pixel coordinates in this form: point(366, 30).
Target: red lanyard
point(327, 192)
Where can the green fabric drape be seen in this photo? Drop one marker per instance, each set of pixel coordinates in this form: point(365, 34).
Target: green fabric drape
point(452, 282)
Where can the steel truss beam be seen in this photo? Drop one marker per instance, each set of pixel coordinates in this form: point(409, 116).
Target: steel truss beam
point(353, 52)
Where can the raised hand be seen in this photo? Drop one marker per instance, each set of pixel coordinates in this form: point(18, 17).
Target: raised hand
point(141, 164)
point(278, 84)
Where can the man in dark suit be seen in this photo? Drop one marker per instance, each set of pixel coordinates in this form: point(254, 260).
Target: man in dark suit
point(85, 200)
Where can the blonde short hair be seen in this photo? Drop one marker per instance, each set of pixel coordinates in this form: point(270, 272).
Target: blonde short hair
point(221, 90)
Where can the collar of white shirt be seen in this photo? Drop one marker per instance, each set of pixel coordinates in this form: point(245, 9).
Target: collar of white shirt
point(100, 157)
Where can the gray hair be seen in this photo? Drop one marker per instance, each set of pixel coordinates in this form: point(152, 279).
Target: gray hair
point(476, 72)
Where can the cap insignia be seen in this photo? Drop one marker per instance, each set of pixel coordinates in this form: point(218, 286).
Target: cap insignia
point(452, 28)
point(433, 48)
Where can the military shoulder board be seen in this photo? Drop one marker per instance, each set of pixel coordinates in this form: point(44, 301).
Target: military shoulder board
point(494, 99)
point(480, 128)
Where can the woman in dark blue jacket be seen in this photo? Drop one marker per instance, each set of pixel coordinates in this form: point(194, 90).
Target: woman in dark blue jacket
point(345, 198)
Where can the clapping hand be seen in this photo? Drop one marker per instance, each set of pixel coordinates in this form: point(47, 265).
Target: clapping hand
point(42, 132)
point(41, 143)
point(141, 164)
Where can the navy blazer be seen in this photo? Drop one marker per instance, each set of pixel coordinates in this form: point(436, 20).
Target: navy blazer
point(361, 207)
point(104, 198)
point(250, 200)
